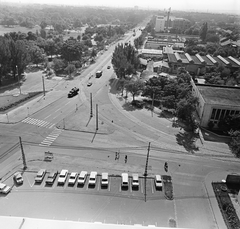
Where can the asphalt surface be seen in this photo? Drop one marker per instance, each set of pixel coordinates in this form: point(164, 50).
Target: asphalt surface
point(126, 130)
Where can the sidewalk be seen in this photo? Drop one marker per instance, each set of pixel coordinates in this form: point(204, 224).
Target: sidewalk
point(21, 112)
point(216, 176)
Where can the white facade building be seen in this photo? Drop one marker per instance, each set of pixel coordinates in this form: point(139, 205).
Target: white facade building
point(160, 24)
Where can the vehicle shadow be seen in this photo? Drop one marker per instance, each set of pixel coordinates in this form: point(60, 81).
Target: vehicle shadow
point(187, 140)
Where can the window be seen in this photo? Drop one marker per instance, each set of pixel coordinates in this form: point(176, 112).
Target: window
point(227, 113)
point(218, 114)
point(222, 114)
point(213, 113)
point(232, 112)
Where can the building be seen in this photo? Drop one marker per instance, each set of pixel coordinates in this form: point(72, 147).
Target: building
point(216, 102)
point(150, 53)
point(164, 41)
point(197, 64)
point(160, 24)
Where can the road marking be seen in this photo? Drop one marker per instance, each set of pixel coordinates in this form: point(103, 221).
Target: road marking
point(67, 103)
point(50, 138)
point(57, 110)
point(141, 186)
point(48, 116)
point(51, 126)
point(152, 186)
point(37, 122)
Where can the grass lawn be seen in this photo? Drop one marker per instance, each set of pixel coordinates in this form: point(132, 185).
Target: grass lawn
point(18, 28)
point(9, 101)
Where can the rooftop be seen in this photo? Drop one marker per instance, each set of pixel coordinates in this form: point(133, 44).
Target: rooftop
point(223, 95)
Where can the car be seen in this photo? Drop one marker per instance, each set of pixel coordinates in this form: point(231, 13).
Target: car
point(92, 178)
point(158, 181)
point(63, 176)
point(82, 178)
point(51, 177)
point(40, 175)
point(74, 91)
point(73, 178)
point(104, 181)
point(108, 67)
point(5, 189)
point(135, 180)
point(17, 177)
point(124, 180)
point(89, 84)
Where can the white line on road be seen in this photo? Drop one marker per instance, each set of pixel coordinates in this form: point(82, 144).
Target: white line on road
point(57, 110)
point(152, 186)
point(48, 116)
point(51, 126)
point(67, 103)
point(50, 138)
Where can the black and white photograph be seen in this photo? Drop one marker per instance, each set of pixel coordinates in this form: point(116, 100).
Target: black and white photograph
point(119, 114)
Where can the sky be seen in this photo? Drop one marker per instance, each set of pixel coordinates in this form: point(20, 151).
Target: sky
point(193, 5)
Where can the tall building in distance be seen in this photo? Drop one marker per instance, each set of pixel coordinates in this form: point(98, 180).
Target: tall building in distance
point(160, 24)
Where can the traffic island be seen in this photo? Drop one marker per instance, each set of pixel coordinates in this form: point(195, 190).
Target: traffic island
point(9, 101)
point(80, 120)
point(225, 204)
point(167, 187)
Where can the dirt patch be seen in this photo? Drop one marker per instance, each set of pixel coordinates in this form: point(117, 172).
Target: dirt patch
point(7, 102)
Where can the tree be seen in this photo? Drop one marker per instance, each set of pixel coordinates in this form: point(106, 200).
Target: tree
point(93, 53)
point(203, 31)
point(71, 50)
point(5, 57)
point(43, 24)
point(36, 54)
point(185, 109)
point(235, 143)
point(70, 69)
point(43, 33)
point(134, 87)
point(58, 65)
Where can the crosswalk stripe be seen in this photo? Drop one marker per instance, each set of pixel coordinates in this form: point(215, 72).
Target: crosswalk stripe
point(51, 138)
point(38, 122)
point(51, 126)
point(31, 121)
point(26, 119)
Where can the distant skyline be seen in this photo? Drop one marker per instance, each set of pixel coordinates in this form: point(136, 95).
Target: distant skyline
point(221, 6)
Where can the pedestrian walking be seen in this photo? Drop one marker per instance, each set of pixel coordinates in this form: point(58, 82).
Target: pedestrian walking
point(126, 159)
point(116, 156)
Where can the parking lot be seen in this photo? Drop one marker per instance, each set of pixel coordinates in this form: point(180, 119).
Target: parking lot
point(114, 187)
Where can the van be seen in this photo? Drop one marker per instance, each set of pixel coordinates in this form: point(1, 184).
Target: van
point(40, 175)
point(104, 181)
point(82, 177)
point(124, 180)
point(92, 178)
point(135, 180)
point(158, 181)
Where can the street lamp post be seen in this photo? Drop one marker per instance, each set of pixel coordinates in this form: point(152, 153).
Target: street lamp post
point(7, 117)
point(18, 80)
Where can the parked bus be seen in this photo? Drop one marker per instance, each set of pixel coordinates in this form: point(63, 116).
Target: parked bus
point(98, 74)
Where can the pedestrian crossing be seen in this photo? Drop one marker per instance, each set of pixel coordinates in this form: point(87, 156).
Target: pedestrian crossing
point(38, 122)
point(51, 137)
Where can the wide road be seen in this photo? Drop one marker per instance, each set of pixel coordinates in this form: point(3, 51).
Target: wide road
point(127, 131)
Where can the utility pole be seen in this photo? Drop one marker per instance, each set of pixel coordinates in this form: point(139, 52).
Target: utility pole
point(96, 116)
point(23, 155)
point(153, 103)
point(145, 173)
point(43, 86)
point(91, 112)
